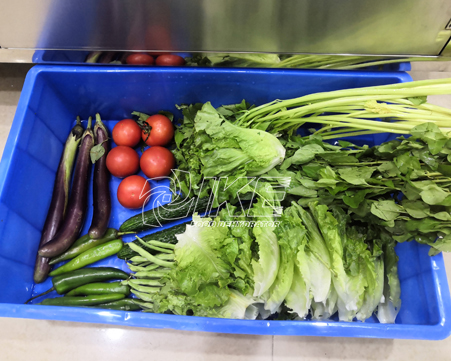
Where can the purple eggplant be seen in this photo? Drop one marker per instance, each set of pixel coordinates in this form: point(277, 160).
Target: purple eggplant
point(55, 215)
point(78, 201)
point(101, 187)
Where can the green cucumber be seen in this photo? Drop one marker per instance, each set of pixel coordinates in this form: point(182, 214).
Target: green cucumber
point(165, 214)
point(166, 236)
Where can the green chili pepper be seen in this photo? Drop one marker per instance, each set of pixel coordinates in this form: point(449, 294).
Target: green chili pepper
point(82, 301)
point(68, 281)
point(126, 304)
point(86, 242)
point(90, 256)
point(99, 289)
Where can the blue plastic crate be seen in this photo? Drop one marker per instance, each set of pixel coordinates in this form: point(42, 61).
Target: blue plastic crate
point(52, 97)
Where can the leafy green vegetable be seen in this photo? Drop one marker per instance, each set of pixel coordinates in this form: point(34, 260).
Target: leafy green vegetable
point(348, 282)
point(233, 147)
point(390, 304)
point(351, 112)
point(266, 266)
point(198, 256)
point(318, 259)
point(211, 147)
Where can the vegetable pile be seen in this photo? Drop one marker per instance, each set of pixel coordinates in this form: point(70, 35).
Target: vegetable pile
point(311, 261)
point(263, 60)
point(148, 59)
point(304, 229)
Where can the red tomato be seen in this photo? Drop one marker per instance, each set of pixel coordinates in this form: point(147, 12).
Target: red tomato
point(157, 162)
point(133, 192)
point(127, 132)
point(170, 60)
point(139, 59)
point(122, 161)
point(161, 131)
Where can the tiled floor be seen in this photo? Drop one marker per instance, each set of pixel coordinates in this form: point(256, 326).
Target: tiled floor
point(50, 340)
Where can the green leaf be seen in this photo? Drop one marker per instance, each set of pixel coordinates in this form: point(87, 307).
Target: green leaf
point(338, 157)
point(356, 175)
point(364, 208)
point(443, 216)
point(426, 157)
point(446, 202)
point(356, 198)
point(445, 169)
point(346, 144)
point(387, 149)
point(302, 191)
point(282, 284)
point(442, 244)
point(235, 148)
point(97, 152)
point(388, 169)
point(198, 256)
point(308, 183)
point(346, 250)
point(327, 177)
point(406, 163)
point(167, 114)
point(141, 116)
point(418, 100)
point(312, 170)
point(433, 194)
point(387, 210)
point(427, 225)
point(432, 135)
point(411, 191)
point(416, 209)
point(211, 295)
point(303, 155)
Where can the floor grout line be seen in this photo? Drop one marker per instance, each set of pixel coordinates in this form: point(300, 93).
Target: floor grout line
point(272, 348)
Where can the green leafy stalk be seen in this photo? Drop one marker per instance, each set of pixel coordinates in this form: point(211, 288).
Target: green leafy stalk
point(402, 107)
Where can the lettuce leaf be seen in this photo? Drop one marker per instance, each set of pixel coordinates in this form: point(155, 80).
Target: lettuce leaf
point(282, 284)
point(293, 232)
point(349, 286)
point(210, 145)
point(199, 258)
point(237, 306)
point(390, 304)
point(266, 263)
point(234, 147)
point(318, 259)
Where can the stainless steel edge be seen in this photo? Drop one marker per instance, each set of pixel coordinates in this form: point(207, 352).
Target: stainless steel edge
point(391, 27)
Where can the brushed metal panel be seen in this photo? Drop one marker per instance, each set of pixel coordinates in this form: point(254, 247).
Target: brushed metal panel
point(392, 27)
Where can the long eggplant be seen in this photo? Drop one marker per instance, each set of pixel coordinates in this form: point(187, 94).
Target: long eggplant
point(55, 215)
point(101, 187)
point(76, 210)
